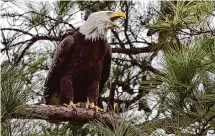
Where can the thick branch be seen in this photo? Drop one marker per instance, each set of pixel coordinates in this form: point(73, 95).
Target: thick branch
point(61, 113)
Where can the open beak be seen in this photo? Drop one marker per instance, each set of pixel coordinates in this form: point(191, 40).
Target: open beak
point(116, 15)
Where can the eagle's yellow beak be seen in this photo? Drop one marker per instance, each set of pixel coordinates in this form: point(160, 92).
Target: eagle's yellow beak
point(116, 15)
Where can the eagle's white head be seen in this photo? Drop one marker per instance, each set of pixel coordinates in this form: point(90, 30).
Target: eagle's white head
point(98, 24)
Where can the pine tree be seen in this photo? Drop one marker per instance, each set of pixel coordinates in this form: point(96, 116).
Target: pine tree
point(175, 96)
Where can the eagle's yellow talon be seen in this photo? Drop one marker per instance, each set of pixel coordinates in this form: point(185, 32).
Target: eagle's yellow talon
point(93, 106)
point(71, 104)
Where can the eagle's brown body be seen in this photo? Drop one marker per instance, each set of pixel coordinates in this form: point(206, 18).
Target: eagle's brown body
point(79, 69)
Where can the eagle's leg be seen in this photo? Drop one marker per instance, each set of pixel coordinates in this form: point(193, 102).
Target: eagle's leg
point(93, 93)
point(67, 92)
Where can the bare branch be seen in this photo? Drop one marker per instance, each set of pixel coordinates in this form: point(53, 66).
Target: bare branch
point(17, 30)
point(133, 50)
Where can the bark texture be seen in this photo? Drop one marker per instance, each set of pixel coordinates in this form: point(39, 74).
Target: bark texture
point(62, 113)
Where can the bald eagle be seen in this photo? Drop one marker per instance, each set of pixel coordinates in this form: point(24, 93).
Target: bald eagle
point(81, 64)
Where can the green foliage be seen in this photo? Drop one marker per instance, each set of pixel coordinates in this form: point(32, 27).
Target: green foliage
point(63, 7)
point(183, 13)
point(188, 90)
point(208, 45)
point(62, 129)
point(177, 15)
point(37, 17)
point(93, 6)
point(115, 128)
point(14, 94)
point(35, 66)
point(182, 66)
point(192, 12)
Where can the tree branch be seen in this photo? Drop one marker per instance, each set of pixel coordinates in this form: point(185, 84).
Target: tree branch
point(133, 50)
point(61, 113)
point(17, 30)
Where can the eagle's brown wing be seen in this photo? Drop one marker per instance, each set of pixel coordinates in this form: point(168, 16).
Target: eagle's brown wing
point(105, 69)
point(53, 79)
